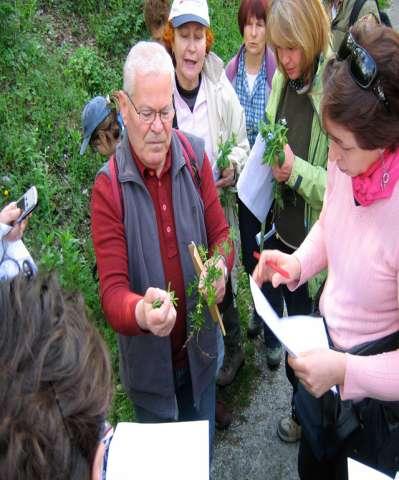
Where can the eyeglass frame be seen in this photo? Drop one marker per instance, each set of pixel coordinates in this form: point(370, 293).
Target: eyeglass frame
point(154, 113)
point(352, 48)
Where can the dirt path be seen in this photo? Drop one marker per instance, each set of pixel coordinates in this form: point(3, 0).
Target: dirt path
point(250, 448)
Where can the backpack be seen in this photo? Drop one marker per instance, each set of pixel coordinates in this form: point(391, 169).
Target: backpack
point(358, 6)
point(191, 164)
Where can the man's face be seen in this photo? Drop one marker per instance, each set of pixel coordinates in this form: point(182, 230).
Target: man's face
point(150, 141)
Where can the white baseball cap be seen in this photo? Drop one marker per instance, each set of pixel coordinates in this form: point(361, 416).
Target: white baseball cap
point(184, 11)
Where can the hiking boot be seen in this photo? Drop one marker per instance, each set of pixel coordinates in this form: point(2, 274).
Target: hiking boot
point(254, 326)
point(288, 430)
point(273, 356)
point(231, 364)
point(223, 417)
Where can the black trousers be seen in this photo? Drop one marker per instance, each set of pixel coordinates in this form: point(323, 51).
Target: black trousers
point(309, 468)
point(357, 447)
point(298, 302)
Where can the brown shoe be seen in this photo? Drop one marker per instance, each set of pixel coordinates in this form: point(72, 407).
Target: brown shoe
point(231, 364)
point(223, 417)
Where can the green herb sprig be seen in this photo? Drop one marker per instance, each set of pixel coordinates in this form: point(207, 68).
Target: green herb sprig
point(224, 151)
point(275, 136)
point(206, 295)
point(227, 197)
point(158, 302)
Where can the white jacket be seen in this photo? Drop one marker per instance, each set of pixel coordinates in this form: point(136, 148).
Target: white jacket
point(225, 113)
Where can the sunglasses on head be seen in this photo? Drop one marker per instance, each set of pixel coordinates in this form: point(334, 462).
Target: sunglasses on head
point(362, 67)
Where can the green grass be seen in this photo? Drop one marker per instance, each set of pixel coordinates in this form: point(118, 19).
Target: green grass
point(55, 56)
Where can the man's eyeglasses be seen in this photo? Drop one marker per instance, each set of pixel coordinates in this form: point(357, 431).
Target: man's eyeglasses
point(362, 66)
point(147, 115)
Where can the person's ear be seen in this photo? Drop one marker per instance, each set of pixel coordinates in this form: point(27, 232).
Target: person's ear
point(123, 106)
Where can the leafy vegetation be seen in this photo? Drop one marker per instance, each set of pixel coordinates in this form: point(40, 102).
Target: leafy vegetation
point(384, 4)
point(54, 57)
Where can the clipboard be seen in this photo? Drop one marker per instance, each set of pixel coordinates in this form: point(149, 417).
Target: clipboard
point(199, 266)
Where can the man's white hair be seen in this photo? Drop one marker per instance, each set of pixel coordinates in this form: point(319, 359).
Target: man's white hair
point(146, 58)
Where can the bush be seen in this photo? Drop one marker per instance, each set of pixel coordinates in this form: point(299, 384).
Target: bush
point(120, 31)
point(90, 72)
point(384, 4)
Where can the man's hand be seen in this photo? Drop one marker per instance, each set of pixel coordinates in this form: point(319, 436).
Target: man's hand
point(227, 179)
point(219, 284)
point(158, 321)
point(319, 370)
point(282, 174)
point(8, 215)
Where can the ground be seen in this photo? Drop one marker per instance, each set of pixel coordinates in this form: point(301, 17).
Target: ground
point(250, 448)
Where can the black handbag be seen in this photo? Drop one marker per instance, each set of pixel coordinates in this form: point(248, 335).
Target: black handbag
point(368, 430)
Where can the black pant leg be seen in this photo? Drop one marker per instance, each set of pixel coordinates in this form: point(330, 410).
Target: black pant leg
point(309, 468)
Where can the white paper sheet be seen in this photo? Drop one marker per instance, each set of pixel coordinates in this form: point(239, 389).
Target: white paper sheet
point(255, 185)
point(298, 333)
point(359, 471)
point(167, 451)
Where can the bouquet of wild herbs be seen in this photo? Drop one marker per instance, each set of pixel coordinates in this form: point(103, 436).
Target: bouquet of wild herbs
point(275, 136)
point(205, 292)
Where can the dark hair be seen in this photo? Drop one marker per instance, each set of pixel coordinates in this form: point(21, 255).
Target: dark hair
point(156, 13)
point(360, 111)
point(251, 8)
point(55, 382)
point(108, 131)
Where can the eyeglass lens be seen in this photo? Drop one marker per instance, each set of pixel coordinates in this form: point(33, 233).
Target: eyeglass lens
point(362, 65)
point(363, 68)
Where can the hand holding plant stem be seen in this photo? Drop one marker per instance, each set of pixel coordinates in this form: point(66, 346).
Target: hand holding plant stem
point(206, 287)
point(275, 136)
point(160, 320)
point(173, 299)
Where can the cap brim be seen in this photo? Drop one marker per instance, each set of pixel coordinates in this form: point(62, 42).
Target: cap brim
point(187, 18)
point(84, 145)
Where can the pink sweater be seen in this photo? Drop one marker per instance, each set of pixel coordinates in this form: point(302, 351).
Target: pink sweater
point(360, 246)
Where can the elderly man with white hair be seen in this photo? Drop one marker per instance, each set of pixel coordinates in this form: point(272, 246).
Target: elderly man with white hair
point(149, 201)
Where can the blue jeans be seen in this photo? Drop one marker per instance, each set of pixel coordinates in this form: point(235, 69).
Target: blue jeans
point(185, 403)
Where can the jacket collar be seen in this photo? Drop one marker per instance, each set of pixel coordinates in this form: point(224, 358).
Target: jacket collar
point(213, 67)
point(127, 167)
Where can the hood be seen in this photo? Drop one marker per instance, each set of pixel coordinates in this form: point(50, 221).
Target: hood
point(213, 67)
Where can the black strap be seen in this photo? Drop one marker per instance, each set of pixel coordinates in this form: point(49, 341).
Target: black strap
point(385, 344)
point(356, 11)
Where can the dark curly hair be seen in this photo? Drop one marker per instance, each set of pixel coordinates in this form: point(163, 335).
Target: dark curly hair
point(55, 382)
point(360, 111)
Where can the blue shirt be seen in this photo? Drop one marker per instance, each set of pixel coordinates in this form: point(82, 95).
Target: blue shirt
point(254, 103)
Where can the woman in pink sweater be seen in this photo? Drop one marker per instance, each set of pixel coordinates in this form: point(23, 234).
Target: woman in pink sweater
point(357, 238)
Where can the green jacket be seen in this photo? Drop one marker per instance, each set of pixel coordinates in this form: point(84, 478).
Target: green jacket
point(340, 24)
point(308, 177)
